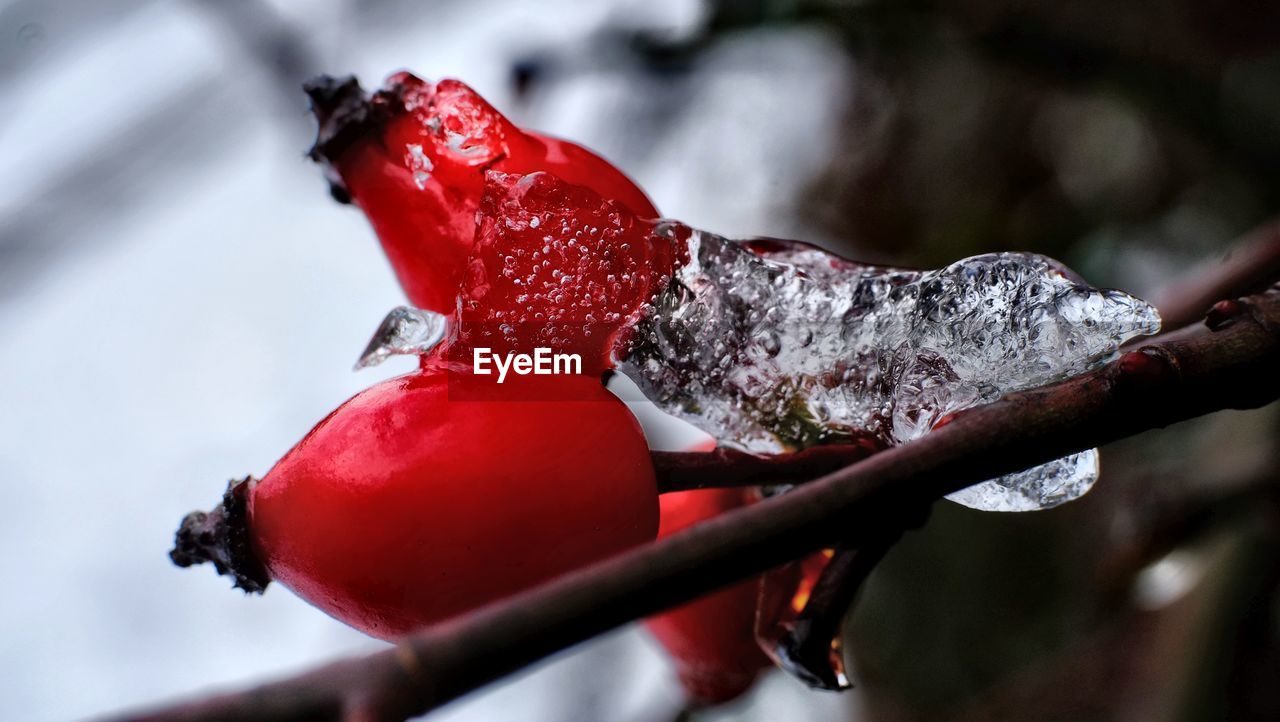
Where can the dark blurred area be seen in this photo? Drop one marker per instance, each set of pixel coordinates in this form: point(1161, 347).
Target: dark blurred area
point(1133, 141)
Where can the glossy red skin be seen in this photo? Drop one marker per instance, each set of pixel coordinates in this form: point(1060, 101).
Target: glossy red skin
point(712, 639)
point(556, 265)
point(428, 232)
point(405, 507)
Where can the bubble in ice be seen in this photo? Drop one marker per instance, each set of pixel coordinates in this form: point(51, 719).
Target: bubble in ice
point(404, 331)
point(774, 346)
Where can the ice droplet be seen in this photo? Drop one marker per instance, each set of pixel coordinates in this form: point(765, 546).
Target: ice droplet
point(464, 145)
point(854, 351)
point(1040, 487)
point(419, 163)
point(404, 331)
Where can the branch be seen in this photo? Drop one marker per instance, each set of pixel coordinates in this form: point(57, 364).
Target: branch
point(686, 470)
point(811, 650)
point(1173, 378)
point(1249, 266)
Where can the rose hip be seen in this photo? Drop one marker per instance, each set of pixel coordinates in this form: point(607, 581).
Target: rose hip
point(413, 157)
point(405, 507)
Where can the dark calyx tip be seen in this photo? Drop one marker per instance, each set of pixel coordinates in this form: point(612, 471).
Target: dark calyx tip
point(327, 93)
point(345, 114)
point(221, 536)
point(340, 106)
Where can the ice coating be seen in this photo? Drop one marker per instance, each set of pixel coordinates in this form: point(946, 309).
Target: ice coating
point(1040, 487)
point(776, 347)
point(404, 331)
point(556, 266)
point(453, 122)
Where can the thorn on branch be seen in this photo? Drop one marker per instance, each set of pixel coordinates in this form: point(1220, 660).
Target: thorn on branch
point(1146, 367)
point(1222, 313)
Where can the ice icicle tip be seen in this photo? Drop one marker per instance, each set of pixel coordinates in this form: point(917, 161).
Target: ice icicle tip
point(404, 331)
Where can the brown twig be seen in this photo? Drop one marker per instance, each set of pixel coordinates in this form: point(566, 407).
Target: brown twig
point(1249, 266)
point(810, 650)
point(686, 470)
point(1175, 377)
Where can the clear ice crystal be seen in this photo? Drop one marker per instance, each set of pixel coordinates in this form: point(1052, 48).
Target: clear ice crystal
point(1040, 487)
point(419, 163)
point(772, 347)
point(404, 331)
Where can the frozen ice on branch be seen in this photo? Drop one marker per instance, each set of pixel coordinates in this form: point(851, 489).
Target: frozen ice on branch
point(775, 346)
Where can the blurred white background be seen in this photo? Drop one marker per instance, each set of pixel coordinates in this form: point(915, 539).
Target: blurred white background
point(180, 301)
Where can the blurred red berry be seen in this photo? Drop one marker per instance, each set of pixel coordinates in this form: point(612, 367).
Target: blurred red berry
point(711, 640)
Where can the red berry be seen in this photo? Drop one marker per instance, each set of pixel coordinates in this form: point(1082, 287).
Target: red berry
point(712, 639)
point(405, 506)
point(413, 157)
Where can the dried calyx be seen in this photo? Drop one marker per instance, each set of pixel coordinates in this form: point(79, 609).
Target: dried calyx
point(221, 536)
point(345, 114)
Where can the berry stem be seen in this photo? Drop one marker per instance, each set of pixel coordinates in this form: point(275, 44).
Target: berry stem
point(688, 470)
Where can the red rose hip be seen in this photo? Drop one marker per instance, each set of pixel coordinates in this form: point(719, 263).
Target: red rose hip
point(413, 157)
point(405, 507)
point(712, 639)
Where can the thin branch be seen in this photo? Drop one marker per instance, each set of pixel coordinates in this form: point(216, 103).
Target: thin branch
point(811, 649)
point(1248, 267)
point(1176, 377)
point(686, 470)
